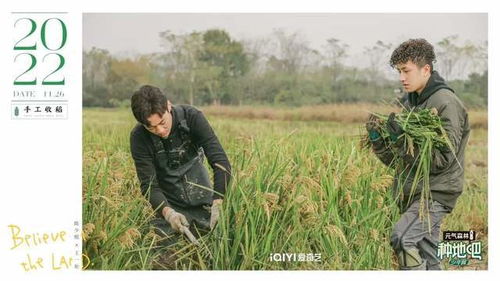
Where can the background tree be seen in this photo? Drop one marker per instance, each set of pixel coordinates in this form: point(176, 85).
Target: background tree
point(211, 67)
point(96, 63)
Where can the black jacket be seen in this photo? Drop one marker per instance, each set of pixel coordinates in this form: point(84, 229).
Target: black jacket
point(201, 133)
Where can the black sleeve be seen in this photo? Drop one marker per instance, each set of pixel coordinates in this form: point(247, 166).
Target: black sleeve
point(204, 136)
point(383, 151)
point(146, 172)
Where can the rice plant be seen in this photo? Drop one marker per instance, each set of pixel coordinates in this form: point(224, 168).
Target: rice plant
point(422, 133)
point(302, 187)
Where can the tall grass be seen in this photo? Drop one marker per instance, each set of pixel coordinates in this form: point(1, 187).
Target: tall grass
point(298, 187)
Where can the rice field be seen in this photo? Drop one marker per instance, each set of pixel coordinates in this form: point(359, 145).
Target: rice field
point(299, 187)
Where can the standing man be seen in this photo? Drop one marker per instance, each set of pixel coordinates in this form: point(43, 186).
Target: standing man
point(168, 147)
point(414, 245)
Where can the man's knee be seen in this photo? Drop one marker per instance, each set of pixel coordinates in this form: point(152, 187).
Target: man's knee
point(166, 235)
point(395, 240)
point(399, 240)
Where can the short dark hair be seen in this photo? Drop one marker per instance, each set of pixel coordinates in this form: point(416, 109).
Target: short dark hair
point(146, 101)
point(419, 51)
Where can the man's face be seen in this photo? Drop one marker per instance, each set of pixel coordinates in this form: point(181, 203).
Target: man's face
point(160, 125)
point(413, 77)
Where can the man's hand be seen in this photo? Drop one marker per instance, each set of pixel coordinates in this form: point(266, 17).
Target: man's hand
point(393, 127)
point(372, 126)
point(215, 211)
point(176, 220)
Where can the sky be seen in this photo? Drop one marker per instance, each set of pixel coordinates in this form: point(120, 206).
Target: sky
point(128, 34)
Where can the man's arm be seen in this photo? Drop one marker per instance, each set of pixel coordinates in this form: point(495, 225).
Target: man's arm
point(451, 118)
point(204, 136)
point(383, 151)
point(144, 165)
point(379, 146)
point(442, 158)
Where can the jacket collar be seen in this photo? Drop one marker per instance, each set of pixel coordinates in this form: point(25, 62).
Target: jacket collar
point(435, 83)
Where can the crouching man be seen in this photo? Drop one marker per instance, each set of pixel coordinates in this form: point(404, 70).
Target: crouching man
point(168, 147)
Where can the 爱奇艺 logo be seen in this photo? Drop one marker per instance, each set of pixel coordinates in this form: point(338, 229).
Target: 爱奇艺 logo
point(295, 257)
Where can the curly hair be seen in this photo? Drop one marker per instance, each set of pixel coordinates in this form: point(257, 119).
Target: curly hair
point(419, 51)
point(146, 101)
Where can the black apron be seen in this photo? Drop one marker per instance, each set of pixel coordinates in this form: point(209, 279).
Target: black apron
point(180, 170)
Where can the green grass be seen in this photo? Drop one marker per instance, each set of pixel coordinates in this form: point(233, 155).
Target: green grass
point(298, 187)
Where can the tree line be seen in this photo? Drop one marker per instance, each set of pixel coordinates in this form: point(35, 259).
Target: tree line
point(211, 67)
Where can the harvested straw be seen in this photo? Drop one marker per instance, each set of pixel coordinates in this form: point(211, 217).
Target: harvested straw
point(423, 132)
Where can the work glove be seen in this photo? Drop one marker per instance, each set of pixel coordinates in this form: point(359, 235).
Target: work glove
point(215, 212)
point(393, 127)
point(372, 126)
point(176, 220)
